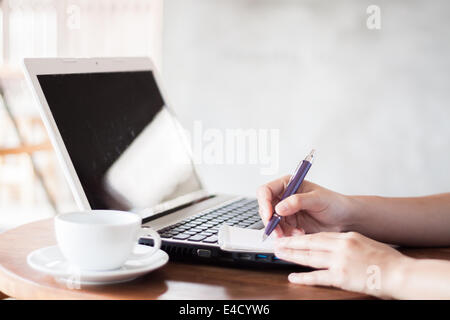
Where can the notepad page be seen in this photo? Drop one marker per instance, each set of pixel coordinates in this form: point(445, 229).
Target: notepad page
point(244, 240)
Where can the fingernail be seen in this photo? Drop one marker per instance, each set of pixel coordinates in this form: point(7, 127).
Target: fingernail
point(281, 207)
point(292, 277)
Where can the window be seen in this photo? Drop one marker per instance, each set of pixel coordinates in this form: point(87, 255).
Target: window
point(49, 28)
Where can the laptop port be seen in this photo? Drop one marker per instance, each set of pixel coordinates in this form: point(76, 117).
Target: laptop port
point(260, 257)
point(204, 253)
point(245, 256)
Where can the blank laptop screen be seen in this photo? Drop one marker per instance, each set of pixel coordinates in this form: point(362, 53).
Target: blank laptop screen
point(126, 147)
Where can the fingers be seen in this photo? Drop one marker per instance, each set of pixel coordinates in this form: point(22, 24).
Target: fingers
point(312, 250)
point(265, 204)
point(297, 202)
point(277, 186)
point(289, 227)
point(307, 186)
point(310, 258)
point(314, 278)
point(323, 241)
point(278, 231)
point(297, 232)
point(267, 194)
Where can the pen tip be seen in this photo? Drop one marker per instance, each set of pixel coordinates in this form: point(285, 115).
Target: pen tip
point(310, 156)
point(264, 237)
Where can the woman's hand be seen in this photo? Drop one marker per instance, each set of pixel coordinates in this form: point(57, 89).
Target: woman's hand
point(348, 261)
point(312, 209)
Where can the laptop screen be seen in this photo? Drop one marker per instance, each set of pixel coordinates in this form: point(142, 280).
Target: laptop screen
point(126, 147)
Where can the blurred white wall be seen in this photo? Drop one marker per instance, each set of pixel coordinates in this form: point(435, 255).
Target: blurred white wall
point(79, 28)
point(374, 103)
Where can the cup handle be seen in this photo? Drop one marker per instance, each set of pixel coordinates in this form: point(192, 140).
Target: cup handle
point(156, 243)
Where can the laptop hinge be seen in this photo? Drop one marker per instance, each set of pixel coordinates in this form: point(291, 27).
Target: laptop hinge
point(185, 205)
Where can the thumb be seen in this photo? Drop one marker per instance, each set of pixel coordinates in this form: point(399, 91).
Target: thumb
point(296, 202)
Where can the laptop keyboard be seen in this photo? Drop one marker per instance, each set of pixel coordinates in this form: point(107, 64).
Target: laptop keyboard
point(204, 226)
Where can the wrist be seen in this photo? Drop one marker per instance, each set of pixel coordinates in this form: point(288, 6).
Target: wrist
point(353, 208)
point(395, 275)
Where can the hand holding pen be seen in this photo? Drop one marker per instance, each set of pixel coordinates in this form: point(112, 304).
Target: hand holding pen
point(294, 183)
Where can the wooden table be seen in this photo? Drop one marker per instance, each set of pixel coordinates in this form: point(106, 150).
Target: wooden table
point(173, 281)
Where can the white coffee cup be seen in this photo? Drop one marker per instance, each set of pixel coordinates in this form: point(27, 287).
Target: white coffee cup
point(101, 239)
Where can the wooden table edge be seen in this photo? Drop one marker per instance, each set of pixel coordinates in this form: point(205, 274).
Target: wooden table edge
point(16, 287)
point(13, 286)
point(19, 287)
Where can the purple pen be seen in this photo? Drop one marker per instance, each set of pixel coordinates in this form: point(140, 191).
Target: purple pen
point(292, 187)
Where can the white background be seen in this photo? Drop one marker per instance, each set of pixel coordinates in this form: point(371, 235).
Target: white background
point(375, 104)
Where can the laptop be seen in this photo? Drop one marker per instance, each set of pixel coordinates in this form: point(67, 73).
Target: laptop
point(121, 147)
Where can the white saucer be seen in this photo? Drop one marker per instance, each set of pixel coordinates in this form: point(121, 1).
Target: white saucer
point(49, 260)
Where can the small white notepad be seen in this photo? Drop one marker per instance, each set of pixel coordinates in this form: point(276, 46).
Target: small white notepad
point(244, 240)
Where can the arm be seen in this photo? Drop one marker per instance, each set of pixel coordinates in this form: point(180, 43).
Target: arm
point(421, 221)
point(423, 279)
point(353, 262)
